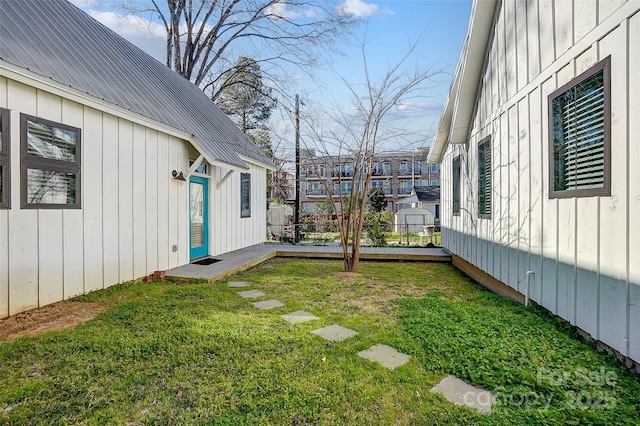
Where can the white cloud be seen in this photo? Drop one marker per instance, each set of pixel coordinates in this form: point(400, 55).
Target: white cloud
point(129, 25)
point(358, 8)
point(421, 107)
point(84, 3)
point(279, 10)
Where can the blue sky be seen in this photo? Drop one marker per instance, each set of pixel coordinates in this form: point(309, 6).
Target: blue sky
point(390, 26)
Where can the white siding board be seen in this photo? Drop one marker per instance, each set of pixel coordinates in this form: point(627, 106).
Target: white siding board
point(151, 199)
point(125, 200)
point(563, 25)
point(23, 260)
point(533, 39)
point(110, 206)
point(164, 176)
point(633, 152)
point(499, 33)
point(536, 193)
point(4, 231)
point(522, 54)
point(92, 200)
point(513, 222)
point(4, 262)
point(550, 228)
point(48, 106)
point(546, 34)
point(50, 259)
point(585, 14)
point(614, 209)
point(73, 248)
point(511, 65)
point(182, 205)
point(23, 224)
point(139, 196)
point(613, 230)
point(73, 219)
point(172, 204)
point(524, 178)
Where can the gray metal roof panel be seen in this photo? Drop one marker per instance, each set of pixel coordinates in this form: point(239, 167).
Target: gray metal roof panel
point(428, 193)
point(82, 53)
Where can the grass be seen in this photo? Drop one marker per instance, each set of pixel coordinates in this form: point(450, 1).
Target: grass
point(194, 353)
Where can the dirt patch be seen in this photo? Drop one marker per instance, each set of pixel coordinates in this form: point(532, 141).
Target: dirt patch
point(347, 275)
point(56, 317)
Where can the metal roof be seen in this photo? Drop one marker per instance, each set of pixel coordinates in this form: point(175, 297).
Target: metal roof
point(427, 193)
point(55, 39)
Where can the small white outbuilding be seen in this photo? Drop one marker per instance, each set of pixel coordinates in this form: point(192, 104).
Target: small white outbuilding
point(413, 219)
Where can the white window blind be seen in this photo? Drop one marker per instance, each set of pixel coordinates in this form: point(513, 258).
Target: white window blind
point(484, 177)
point(579, 140)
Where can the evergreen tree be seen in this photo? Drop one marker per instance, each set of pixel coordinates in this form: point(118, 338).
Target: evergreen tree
point(245, 98)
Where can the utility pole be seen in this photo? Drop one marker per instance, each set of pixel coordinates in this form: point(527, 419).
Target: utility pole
point(296, 217)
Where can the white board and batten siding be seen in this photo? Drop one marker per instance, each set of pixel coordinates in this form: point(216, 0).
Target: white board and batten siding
point(584, 251)
point(229, 231)
point(132, 211)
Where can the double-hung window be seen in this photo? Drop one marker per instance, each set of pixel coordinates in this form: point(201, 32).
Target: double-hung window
point(245, 195)
point(484, 178)
point(456, 185)
point(4, 159)
point(50, 164)
point(580, 135)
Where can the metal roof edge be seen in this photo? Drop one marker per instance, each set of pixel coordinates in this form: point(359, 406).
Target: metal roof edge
point(25, 76)
point(251, 160)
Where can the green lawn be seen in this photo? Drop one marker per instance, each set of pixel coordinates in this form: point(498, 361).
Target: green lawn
point(194, 353)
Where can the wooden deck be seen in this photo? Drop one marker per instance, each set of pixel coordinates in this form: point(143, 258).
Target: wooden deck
point(237, 261)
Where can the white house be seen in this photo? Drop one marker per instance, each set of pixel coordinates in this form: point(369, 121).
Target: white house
point(539, 150)
point(112, 166)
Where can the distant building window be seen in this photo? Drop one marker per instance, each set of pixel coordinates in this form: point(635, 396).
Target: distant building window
point(484, 178)
point(4, 159)
point(382, 169)
point(434, 183)
point(456, 185)
point(434, 168)
point(245, 195)
point(50, 164)
point(580, 126)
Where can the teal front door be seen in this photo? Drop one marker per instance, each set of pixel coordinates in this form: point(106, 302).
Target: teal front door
point(198, 216)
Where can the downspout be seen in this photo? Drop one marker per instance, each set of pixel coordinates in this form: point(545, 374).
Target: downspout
point(526, 296)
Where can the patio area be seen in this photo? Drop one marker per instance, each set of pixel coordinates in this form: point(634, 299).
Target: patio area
point(237, 261)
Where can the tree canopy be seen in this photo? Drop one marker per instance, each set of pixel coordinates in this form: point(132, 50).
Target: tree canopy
point(205, 36)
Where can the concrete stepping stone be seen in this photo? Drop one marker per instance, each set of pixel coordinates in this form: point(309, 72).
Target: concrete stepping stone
point(299, 316)
point(236, 284)
point(251, 294)
point(385, 355)
point(335, 332)
point(268, 304)
point(462, 393)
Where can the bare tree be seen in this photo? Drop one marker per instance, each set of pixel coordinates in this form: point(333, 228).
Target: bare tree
point(205, 37)
point(368, 127)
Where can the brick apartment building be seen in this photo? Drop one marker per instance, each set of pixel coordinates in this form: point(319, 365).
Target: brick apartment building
point(395, 172)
